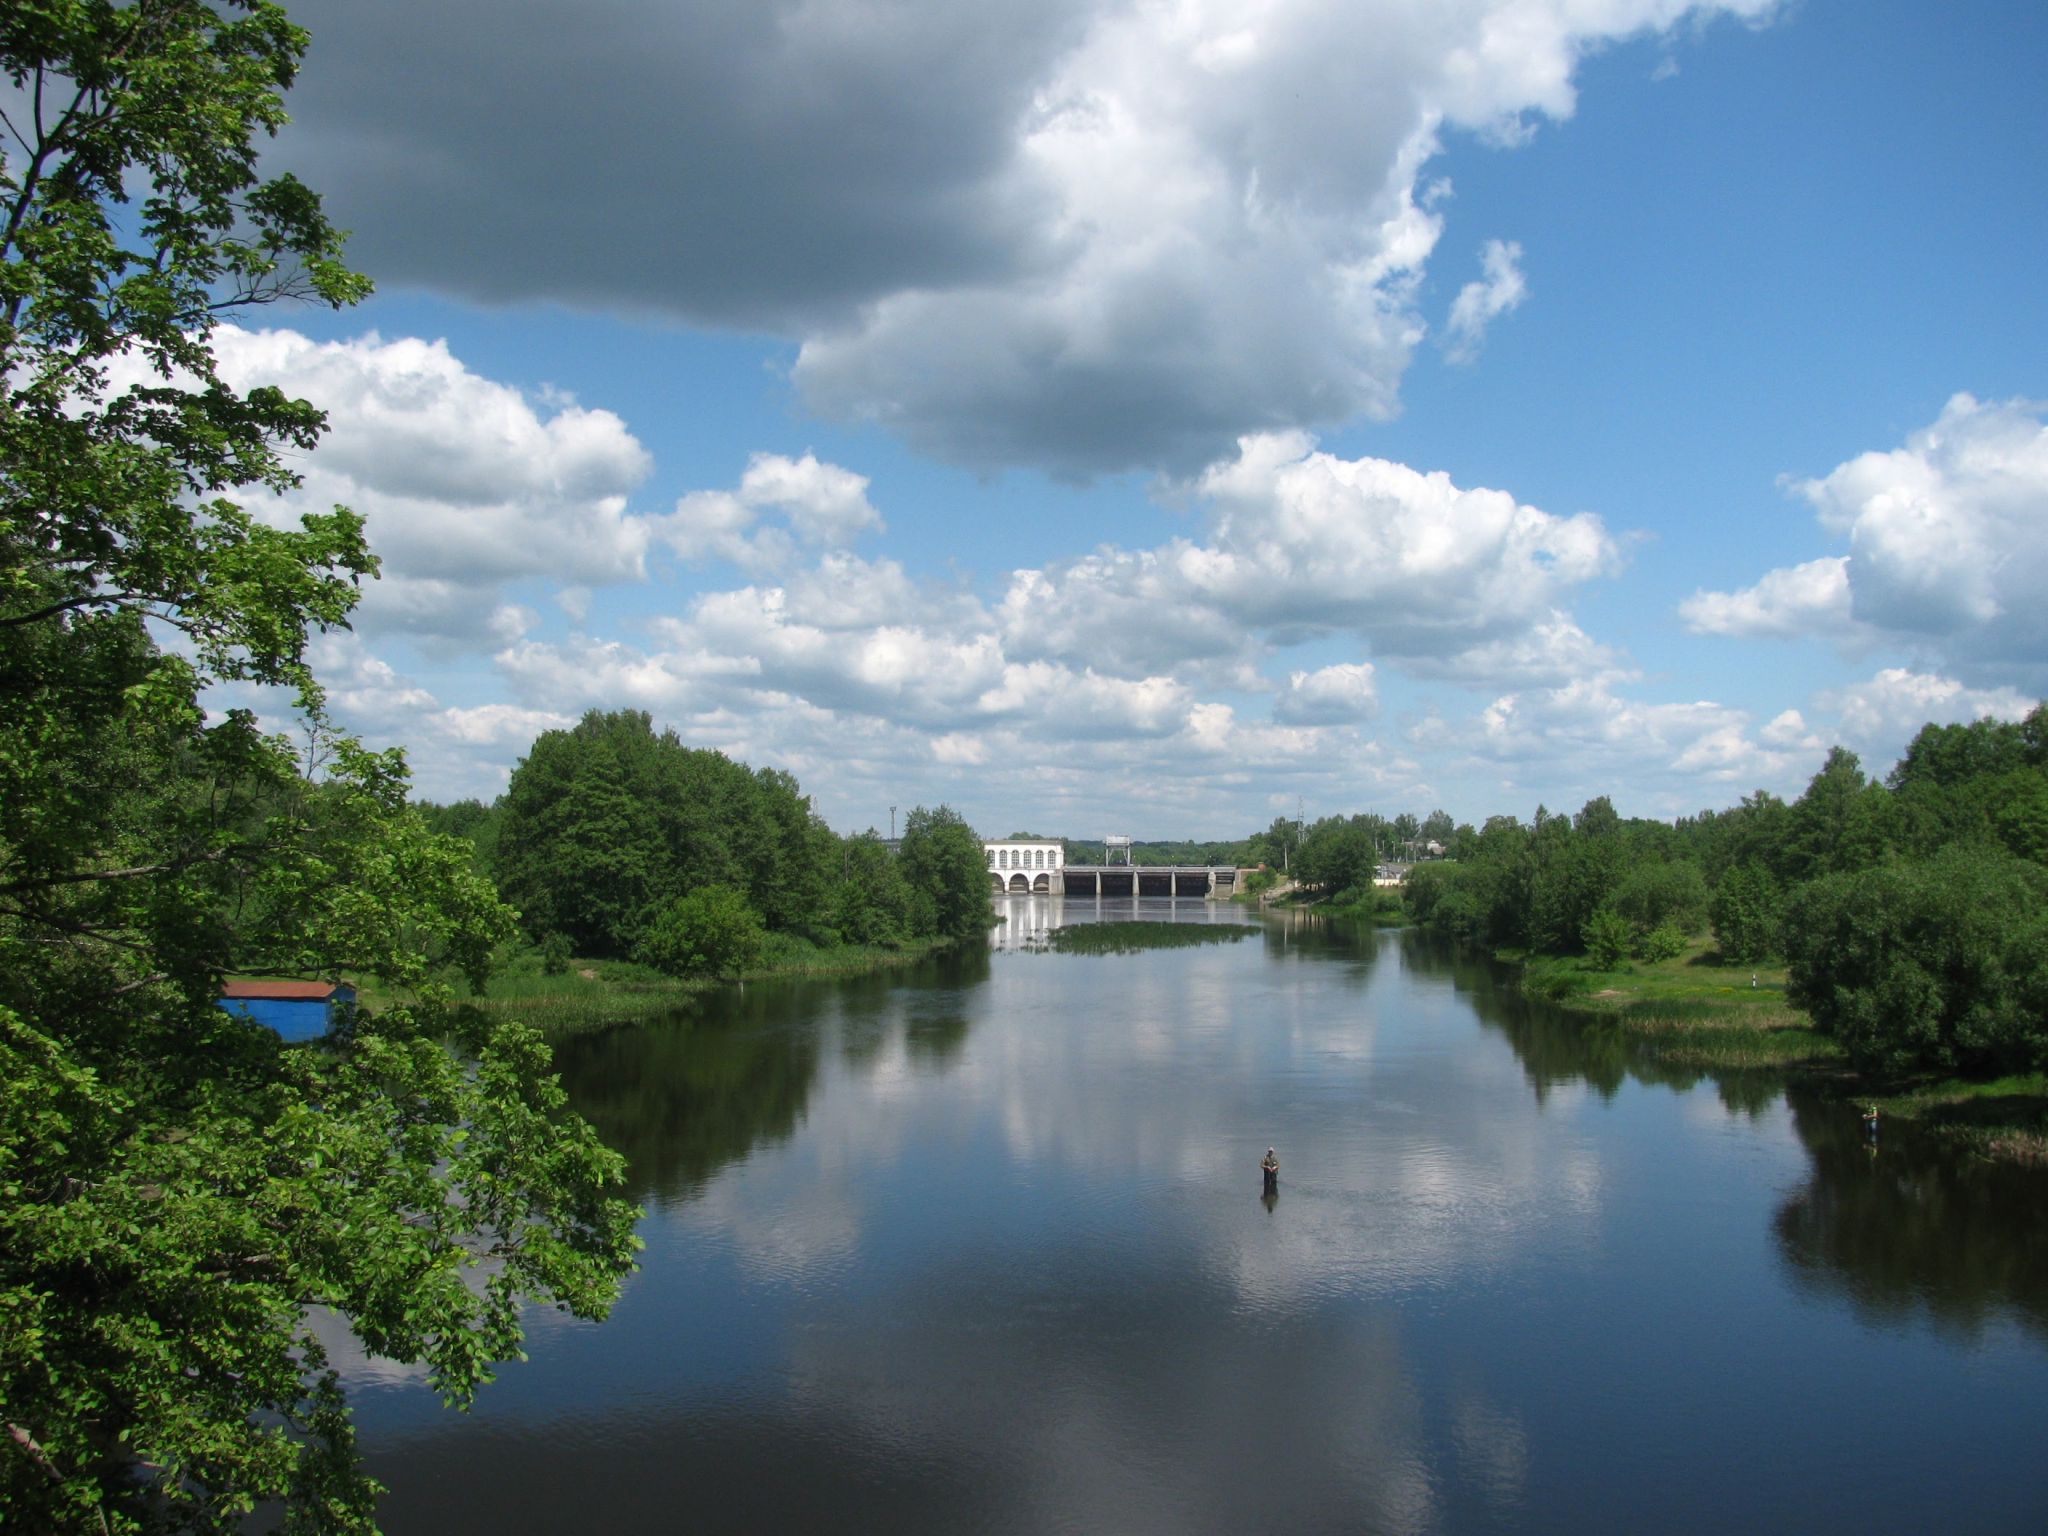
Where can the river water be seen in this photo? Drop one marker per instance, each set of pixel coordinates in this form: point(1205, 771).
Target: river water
point(982, 1246)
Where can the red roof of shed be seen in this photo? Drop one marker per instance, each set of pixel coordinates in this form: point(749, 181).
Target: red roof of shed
point(302, 991)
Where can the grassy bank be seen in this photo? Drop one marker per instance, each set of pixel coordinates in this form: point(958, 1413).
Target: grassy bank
point(596, 994)
point(1693, 1012)
point(1381, 907)
point(1690, 1010)
point(2005, 1119)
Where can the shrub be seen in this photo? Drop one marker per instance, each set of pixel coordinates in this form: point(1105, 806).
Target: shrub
point(710, 931)
point(1607, 935)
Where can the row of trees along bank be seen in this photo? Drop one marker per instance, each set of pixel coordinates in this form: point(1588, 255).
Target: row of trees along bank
point(614, 841)
point(1911, 913)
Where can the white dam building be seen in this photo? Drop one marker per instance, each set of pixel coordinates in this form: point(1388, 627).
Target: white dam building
point(1022, 866)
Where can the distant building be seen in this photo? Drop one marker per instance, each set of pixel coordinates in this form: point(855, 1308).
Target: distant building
point(1027, 853)
point(296, 1010)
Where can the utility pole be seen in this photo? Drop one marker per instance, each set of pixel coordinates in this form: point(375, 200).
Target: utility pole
point(892, 823)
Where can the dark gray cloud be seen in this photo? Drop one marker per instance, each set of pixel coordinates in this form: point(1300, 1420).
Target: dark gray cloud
point(1086, 235)
point(754, 163)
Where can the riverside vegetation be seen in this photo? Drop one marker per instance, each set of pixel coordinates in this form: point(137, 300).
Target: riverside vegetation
point(640, 866)
point(1892, 935)
point(178, 1190)
point(180, 1193)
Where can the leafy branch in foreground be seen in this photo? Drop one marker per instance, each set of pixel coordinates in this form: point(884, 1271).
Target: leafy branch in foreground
point(178, 1189)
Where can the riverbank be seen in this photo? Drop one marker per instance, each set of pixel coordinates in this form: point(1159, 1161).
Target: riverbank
point(598, 994)
point(1382, 908)
point(1692, 1011)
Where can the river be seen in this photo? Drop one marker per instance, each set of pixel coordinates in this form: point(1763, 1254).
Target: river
point(982, 1246)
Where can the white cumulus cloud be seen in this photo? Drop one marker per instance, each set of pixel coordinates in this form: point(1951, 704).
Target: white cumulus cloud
point(1330, 695)
point(1804, 599)
point(820, 505)
point(1479, 303)
point(1948, 550)
point(1884, 713)
point(464, 483)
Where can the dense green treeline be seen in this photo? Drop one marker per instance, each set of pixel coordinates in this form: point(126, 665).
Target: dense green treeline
point(614, 841)
point(1912, 912)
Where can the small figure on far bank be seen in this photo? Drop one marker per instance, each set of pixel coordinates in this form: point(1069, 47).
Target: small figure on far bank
point(1271, 1169)
point(1752, 981)
point(1870, 1118)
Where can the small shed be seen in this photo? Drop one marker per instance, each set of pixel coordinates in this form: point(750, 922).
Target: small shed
point(297, 1010)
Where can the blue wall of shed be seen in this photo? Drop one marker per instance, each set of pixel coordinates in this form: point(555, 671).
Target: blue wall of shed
point(292, 1018)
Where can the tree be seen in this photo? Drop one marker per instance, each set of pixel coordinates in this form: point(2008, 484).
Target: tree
point(1745, 910)
point(709, 932)
point(177, 1187)
point(946, 873)
point(871, 904)
point(1652, 895)
point(1941, 964)
point(1842, 822)
point(605, 824)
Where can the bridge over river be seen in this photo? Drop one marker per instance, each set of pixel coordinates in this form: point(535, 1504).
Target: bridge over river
point(1037, 866)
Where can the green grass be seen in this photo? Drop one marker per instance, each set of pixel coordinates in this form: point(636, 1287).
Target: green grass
point(1128, 938)
point(2004, 1118)
point(1689, 1010)
point(1693, 1012)
point(1383, 908)
point(597, 994)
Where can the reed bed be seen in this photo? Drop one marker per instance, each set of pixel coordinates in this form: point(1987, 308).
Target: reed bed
point(1128, 938)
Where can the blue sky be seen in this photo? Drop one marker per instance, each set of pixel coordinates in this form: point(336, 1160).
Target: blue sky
point(1153, 417)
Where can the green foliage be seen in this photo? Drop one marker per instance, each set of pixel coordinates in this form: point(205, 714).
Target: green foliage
point(1745, 909)
point(710, 931)
point(1337, 855)
point(871, 903)
point(1607, 938)
point(606, 824)
point(1842, 822)
point(555, 955)
point(1656, 895)
point(945, 875)
point(178, 1188)
point(1936, 965)
point(1667, 941)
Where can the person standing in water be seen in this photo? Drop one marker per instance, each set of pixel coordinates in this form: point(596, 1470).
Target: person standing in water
point(1271, 1168)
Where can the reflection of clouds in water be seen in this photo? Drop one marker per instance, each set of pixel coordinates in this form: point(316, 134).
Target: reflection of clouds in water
point(358, 1367)
point(1091, 1427)
point(1140, 1070)
point(797, 1244)
point(1493, 1450)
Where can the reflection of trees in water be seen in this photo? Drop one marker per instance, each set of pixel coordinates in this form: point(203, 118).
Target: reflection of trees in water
point(1913, 1226)
point(1556, 1047)
point(1296, 932)
point(684, 1095)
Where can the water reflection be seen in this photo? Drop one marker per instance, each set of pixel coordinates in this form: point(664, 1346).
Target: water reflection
point(974, 1246)
point(1906, 1229)
point(686, 1094)
point(1902, 1228)
point(1557, 1048)
point(1024, 921)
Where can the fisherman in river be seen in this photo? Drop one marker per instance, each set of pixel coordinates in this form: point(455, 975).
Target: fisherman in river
point(1271, 1168)
point(1870, 1122)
